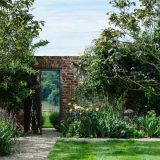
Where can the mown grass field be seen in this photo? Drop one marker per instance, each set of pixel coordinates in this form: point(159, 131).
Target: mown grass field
point(46, 106)
point(107, 150)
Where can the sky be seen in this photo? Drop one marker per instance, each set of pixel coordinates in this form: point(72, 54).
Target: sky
point(70, 25)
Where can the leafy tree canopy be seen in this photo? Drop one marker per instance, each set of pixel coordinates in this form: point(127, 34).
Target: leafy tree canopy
point(126, 57)
point(50, 87)
point(18, 29)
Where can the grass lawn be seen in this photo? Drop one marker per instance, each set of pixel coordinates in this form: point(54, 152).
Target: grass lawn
point(47, 123)
point(46, 106)
point(48, 109)
point(107, 150)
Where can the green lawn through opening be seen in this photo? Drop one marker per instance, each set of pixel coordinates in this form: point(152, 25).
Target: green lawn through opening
point(47, 123)
point(47, 109)
point(46, 106)
point(106, 150)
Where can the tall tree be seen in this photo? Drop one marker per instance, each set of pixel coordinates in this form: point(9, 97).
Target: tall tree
point(18, 30)
point(126, 57)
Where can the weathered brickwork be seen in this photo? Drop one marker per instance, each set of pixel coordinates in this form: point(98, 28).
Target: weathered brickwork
point(68, 81)
point(32, 122)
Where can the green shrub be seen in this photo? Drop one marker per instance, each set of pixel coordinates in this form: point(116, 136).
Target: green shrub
point(109, 122)
point(105, 122)
point(97, 123)
point(79, 124)
point(8, 134)
point(150, 124)
point(54, 119)
point(131, 131)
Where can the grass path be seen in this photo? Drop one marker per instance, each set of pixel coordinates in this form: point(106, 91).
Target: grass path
point(46, 106)
point(47, 123)
point(105, 150)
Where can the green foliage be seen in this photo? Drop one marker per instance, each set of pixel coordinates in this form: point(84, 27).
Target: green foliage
point(18, 30)
point(8, 134)
point(98, 122)
point(109, 124)
point(50, 87)
point(150, 124)
point(126, 57)
point(106, 121)
point(13, 85)
point(55, 119)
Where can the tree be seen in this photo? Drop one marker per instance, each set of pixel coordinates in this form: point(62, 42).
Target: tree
point(50, 87)
point(125, 60)
point(18, 29)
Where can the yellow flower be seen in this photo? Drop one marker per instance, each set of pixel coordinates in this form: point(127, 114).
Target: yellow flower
point(97, 109)
point(75, 105)
point(87, 109)
point(69, 103)
point(78, 107)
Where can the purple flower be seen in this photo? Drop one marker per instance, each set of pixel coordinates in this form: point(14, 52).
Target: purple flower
point(78, 113)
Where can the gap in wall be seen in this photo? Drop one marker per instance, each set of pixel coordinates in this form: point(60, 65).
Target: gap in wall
point(50, 96)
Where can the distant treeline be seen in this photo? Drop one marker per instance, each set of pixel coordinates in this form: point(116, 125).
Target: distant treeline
point(50, 87)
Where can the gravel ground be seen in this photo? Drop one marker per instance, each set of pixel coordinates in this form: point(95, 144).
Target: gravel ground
point(34, 147)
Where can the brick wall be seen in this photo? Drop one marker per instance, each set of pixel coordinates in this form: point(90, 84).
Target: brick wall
point(68, 81)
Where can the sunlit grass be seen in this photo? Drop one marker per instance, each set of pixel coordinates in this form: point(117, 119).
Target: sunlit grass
point(107, 150)
point(46, 106)
point(47, 109)
point(47, 123)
